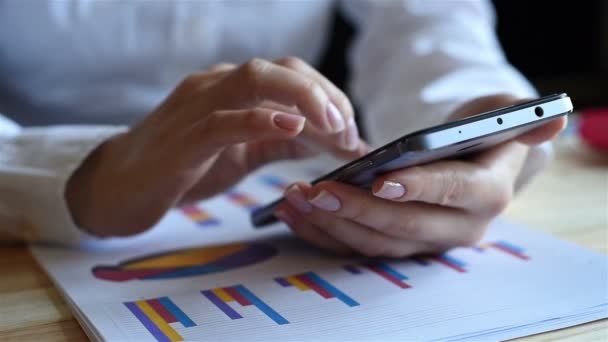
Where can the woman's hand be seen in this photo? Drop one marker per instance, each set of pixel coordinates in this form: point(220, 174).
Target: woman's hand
point(423, 209)
point(212, 130)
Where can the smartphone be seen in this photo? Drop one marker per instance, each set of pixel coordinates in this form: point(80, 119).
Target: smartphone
point(447, 141)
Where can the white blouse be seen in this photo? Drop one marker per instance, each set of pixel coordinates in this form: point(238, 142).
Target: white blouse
point(73, 73)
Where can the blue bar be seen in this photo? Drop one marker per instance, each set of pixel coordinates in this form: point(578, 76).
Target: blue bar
point(176, 312)
point(261, 305)
point(453, 260)
point(274, 181)
point(331, 289)
point(386, 268)
point(511, 247)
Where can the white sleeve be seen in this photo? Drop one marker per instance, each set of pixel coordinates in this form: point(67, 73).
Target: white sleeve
point(414, 62)
point(35, 164)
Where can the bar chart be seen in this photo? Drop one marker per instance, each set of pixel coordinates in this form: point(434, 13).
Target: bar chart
point(199, 216)
point(242, 200)
point(157, 315)
point(222, 297)
point(382, 270)
point(311, 281)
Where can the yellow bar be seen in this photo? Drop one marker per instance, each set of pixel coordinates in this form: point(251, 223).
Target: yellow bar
point(223, 295)
point(189, 257)
point(159, 321)
point(200, 216)
point(484, 245)
point(295, 282)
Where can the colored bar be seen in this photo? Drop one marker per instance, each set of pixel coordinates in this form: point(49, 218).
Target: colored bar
point(331, 289)
point(160, 323)
point(261, 305)
point(242, 200)
point(314, 286)
point(162, 311)
point(386, 268)
point(449, 262)
point(237, 296)
point(388, 277)
point(420, 261)
point(297, 283)
point(223, 295)
point(221, 305)
point(275, 182)
point(480, 248)
point(176, 312)
point(147, 323)
point(453, 260)
point(201, 217)
point(510, 246)
point(283, 282)
point(508, 251)
point(352, 269)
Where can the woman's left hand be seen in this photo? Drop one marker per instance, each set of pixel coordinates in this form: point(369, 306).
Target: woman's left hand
point(422, 209)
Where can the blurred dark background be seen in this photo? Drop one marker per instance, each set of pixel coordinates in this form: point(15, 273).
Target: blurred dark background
point(560, 47)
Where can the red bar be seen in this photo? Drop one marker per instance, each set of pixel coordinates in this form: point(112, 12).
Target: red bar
point(190, 209)
point(388, 277)
point(162, 311)
point(508, 251)
point(118, 274)
point(450, 265)
point(237, 296)
point(318, 289)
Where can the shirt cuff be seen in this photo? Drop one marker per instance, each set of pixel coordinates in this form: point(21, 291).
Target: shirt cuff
point(48, 218)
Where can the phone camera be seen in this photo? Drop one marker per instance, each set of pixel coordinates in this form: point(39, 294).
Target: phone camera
point(539, 112)
point(499, 120)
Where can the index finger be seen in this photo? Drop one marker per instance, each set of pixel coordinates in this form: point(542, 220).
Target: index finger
point(260, 80)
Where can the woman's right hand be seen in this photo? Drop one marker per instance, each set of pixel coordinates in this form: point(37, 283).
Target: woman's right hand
point(213, 129)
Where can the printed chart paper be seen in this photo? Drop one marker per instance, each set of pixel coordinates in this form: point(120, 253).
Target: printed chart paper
point(204, 273)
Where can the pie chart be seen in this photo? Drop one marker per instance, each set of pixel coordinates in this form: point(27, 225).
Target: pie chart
point(187, 262)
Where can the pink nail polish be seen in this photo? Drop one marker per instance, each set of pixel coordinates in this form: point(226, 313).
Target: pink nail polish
point(296, 198)
point(289, 122)
point(351, 135)
point(326, 201)
point(390, 190)
point(335, 119)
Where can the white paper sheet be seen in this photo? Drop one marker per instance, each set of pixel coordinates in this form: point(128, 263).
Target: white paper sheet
point(163, 285)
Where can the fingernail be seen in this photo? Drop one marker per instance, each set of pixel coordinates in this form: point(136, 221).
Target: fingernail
point(390, 190)
point(350, 135)
point(326, 201)
point(296, 198)
point(284, 216)
point(335, 119)
point(289, 122)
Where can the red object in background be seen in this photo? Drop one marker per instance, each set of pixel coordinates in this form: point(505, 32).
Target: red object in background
point(593, 128)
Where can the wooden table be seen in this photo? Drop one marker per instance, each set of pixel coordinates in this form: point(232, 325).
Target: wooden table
point(569, 200)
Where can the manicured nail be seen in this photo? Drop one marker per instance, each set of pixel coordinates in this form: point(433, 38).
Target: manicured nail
point(284, 216)
point(289, 122)
point(335, 119)
point(296, 198)
point(350, 136)
point(390, 190)
point(326, 201)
